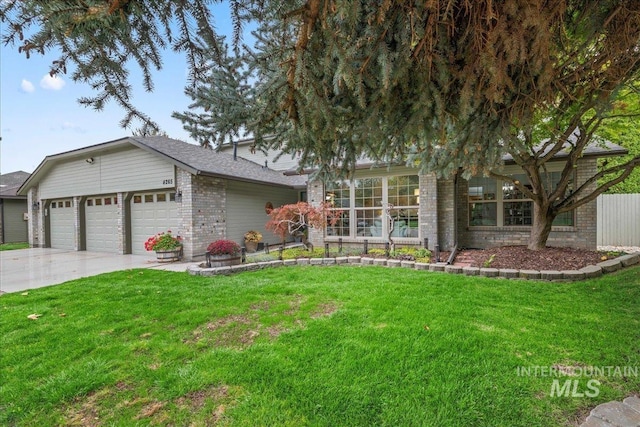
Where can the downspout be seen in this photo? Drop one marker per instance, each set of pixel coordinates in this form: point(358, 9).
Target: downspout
point(2, 220)
point(235, 150)
point(452, 256)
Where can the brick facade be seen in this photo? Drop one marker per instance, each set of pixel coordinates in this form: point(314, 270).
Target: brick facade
point(35, 229)
point(202, 212)
point(439, 216)
point(581, 235)
point(315, 196)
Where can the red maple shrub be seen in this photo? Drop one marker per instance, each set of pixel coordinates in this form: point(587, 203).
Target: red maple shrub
point(223, 247)
point(294, 219)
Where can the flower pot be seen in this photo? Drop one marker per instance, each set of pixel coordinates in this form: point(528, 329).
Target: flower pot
point(250, 246)
point(169, 255)
point(222, 260)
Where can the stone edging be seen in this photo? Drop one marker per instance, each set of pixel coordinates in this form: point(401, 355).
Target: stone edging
point(587, 272)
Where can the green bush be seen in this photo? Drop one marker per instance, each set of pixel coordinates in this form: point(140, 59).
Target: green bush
point(376, 251)
point(412, 254)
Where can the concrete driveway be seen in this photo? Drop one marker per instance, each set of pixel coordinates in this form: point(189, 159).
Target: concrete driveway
point(37, 267)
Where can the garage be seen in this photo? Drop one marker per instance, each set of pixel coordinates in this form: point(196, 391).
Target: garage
point(152, 213)
point(102, 223)
point(62, 228)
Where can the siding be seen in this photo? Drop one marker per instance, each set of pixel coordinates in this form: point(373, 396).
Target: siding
point(283, 163)
point(245, 208)
point(130, 169)
point(618, 220)
point(14, 225)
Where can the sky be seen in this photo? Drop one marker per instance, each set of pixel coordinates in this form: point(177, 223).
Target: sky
point(40, 115)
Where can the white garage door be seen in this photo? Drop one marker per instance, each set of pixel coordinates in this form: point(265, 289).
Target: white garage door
point(152, 213)
point(62, 224)
point(101, 213)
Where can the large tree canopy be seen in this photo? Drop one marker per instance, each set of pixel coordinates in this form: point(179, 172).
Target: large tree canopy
point(441, 84)
point(446, 85)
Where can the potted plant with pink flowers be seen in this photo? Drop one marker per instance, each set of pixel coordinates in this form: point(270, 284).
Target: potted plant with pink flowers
point(166, 246)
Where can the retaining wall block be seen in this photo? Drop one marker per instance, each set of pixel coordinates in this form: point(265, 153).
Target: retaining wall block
point(529, 274)
point(609, 266)
point(508, 273)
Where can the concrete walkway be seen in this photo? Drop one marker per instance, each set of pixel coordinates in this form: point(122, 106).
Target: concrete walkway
point(37, 267)
point(615, 414)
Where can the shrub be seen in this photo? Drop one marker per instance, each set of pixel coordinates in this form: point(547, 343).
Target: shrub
point(295, 219)
point(253, 236)
point(223, 247)
point(377, 252)
point(295, 253)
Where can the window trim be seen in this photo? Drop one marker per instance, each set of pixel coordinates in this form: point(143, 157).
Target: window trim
point(500, 203)
point(353, 210)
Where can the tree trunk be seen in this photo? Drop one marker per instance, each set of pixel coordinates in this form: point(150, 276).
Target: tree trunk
point(542, 221)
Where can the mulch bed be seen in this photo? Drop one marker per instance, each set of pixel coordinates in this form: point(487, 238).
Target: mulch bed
point(519, 257)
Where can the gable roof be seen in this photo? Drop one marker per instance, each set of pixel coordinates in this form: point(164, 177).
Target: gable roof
point(10, 184)
point(205, 161)
point(192, 158)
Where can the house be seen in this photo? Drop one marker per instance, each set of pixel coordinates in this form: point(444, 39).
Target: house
point(477, 213)
point(112, 197)
point(13, 208)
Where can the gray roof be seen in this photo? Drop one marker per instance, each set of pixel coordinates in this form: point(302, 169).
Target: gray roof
point(192, 158)
point(11, 182)
point(204, 161)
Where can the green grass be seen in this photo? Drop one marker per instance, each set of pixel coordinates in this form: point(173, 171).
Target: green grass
point(321, 346)
point(13, 246)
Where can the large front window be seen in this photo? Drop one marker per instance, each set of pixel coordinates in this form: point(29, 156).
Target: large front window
point(508, 206)
point(363, 202)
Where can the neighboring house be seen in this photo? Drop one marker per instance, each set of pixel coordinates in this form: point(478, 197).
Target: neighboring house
point(113, 196)
point(476, 213)
point(13, 208)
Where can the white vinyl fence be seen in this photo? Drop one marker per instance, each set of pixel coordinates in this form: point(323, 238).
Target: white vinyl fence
point(619, 220)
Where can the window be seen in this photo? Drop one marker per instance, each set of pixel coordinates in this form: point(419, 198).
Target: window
point(362, 201)
point(107, 200)
point(89, 202)
point(518, 210)
point(137, 199)
point(161, 197)
point(482, 201)
point(67, 204)
point(509, 206)
point(98, 202)
point(148, 198)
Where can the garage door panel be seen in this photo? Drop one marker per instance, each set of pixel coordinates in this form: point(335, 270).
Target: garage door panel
point(101, 214)
point(151, 213)
point(62, 224)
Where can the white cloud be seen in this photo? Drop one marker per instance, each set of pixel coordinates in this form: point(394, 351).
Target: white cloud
point(27, 86)
point(52, 83)
point(72, 127)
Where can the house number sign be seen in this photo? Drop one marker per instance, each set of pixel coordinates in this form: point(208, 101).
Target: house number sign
point(167, 181)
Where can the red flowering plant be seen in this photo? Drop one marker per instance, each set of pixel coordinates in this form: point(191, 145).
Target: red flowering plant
point(295, 219)
point(163, 242)
point(223, 247)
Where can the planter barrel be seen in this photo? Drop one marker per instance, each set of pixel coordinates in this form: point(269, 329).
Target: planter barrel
point(251, 246)
point(222, 260)
point(169, 255)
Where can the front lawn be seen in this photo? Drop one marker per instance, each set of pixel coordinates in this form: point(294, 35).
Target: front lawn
point(13, 246)
point(326, 346)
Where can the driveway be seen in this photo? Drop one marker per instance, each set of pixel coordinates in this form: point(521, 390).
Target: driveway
point(37, 267)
